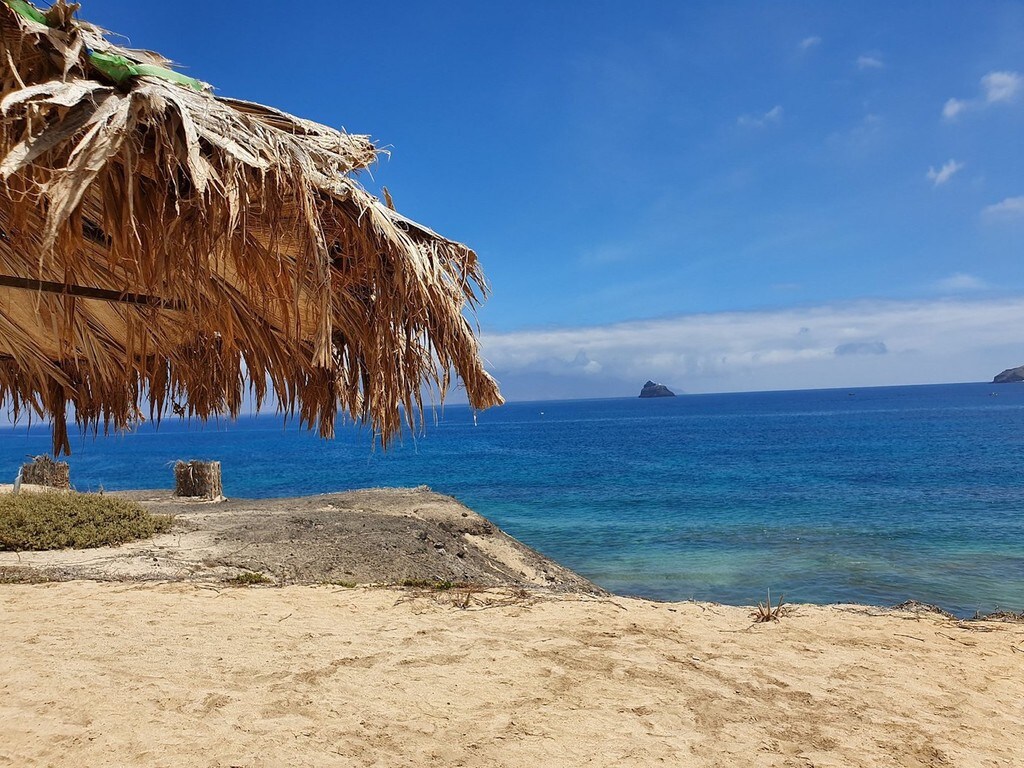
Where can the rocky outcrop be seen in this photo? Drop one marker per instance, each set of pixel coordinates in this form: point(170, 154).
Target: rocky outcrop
point(399, 536)
point(1010, 376)
point(656, 390)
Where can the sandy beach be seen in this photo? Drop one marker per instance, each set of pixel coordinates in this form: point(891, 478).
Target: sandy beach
point(190, 675)
point(146, 655)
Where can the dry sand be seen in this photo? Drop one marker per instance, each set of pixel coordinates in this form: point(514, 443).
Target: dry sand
point(182, 674)
point(155, 662)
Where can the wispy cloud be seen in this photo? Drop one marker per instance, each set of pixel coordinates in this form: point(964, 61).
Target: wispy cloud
point(959, 282)
point(1000, 86)
point(997, 87)
point(860, 344)
point(859, 139)
point(945, 173)
point(953, 107)
point(772, 116)
point(869, 61)
point(1010, 208)
point(810, 42)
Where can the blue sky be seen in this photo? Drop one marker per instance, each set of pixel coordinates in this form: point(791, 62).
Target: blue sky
point(722, 196)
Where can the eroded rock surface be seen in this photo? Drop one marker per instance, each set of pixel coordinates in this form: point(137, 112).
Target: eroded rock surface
point(374, 536)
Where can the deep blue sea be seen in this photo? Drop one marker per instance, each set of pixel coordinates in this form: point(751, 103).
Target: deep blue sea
point(863, 495)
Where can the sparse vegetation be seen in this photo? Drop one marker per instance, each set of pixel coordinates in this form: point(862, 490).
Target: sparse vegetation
point(435, 584)
point(348, 584)
point(765, 611)
point(914, 606)
point(59, 520)
point(999, 615)
point(19, 574)
point(249, 578)
point(469, 596)
point(464, 597)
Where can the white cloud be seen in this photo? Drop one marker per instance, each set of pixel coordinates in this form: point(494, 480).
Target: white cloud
point(961, 281)
point(810, 42)
point(945, 173)
point(869, 61)
point(1000, 86)
point(953, 107)
point(773, 115)
point(996, 88)
point(860, 344)
point(1010, 208)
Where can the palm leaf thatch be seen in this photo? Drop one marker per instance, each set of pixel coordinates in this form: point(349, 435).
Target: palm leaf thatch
point(161, 246)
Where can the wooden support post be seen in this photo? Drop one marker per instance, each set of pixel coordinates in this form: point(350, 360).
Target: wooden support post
point(198, 479)
point(43, 470)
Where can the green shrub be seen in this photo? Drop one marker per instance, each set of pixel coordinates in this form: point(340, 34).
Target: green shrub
point(33, 521)
point(249, 578)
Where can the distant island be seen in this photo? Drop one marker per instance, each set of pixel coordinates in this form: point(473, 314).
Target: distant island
point(1009, 376)
point(656, 390)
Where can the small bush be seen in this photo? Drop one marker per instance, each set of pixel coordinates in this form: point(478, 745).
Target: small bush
point(249, 578)
point(34, 521)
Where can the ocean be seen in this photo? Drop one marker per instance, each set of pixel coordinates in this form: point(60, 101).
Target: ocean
point(873, 496)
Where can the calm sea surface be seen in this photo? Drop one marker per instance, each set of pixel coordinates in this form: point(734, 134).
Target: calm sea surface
point(864, 495)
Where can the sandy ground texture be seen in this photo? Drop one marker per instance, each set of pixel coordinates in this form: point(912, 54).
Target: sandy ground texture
point(374, 536)
point(182, 674)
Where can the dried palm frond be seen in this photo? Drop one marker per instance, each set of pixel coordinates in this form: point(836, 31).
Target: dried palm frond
point(161, 245)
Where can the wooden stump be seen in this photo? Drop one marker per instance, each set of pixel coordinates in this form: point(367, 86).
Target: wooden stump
point(198, 478)
point(43, 470)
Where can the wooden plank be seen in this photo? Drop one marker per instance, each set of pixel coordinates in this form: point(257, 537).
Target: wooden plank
point(87, 292)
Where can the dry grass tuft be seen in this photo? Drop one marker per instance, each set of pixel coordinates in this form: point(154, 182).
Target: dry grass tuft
point(766, 612)
point(465, 596)
point(436, 585)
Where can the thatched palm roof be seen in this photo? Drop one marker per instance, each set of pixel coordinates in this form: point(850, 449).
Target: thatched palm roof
point(161, 247)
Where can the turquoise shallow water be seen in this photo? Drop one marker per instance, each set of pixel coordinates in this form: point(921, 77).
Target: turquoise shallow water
point(866, 495)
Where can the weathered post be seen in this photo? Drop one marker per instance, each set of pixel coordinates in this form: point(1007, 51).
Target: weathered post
point(43, 470)
point(198, 479)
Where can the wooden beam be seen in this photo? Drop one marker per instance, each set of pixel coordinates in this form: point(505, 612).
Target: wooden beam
point(86, 292)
